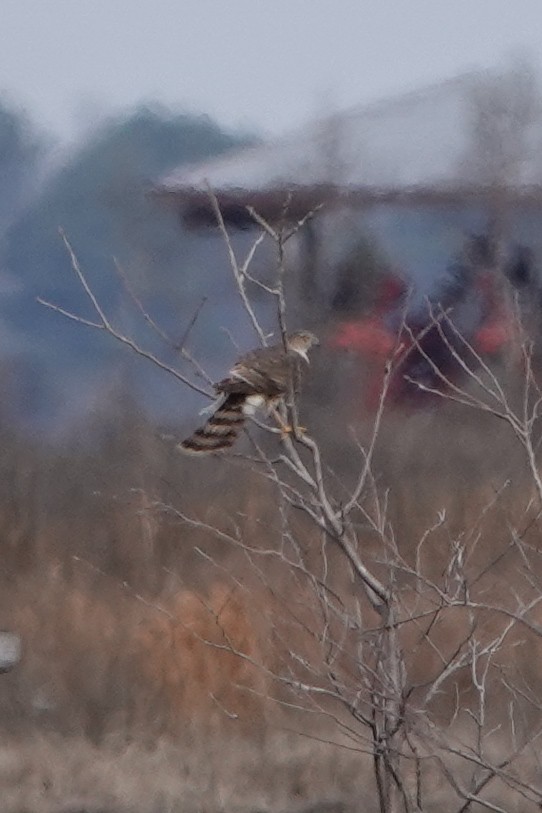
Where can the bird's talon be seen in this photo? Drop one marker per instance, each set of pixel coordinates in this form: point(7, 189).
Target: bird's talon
point(290, 430)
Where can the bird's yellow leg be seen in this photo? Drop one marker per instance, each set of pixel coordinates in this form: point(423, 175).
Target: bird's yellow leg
point(285, 428)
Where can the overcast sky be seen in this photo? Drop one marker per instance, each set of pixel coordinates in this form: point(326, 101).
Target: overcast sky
point(262, 64)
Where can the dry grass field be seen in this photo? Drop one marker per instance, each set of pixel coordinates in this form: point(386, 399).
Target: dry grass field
point(129, 697)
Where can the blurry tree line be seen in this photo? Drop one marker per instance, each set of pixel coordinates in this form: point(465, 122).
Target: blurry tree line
point(98, 193)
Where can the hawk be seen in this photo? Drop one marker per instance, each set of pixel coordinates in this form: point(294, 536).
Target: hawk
point(258, 378)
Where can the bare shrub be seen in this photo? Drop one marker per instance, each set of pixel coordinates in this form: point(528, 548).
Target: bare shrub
point(403, 627)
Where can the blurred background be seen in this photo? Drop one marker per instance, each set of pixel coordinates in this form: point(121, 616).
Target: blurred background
point(416, 133)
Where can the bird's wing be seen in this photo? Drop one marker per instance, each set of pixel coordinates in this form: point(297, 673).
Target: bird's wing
point(265, 370)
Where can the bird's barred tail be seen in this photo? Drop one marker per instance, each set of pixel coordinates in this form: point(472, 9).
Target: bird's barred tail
point(221, 430)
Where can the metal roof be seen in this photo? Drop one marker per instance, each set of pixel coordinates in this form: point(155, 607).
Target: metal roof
point(410, 149)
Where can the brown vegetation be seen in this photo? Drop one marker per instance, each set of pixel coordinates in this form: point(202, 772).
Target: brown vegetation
point(130, 618)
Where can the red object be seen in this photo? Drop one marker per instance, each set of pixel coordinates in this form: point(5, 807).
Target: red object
point(390, 292)
point(496, 329)
point(492, 338)
point(372, 340)
point(366, 337)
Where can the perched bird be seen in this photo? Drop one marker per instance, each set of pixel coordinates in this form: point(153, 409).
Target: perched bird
point(259, 378)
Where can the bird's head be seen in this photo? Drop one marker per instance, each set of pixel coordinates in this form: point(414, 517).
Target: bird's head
point(301, 342)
